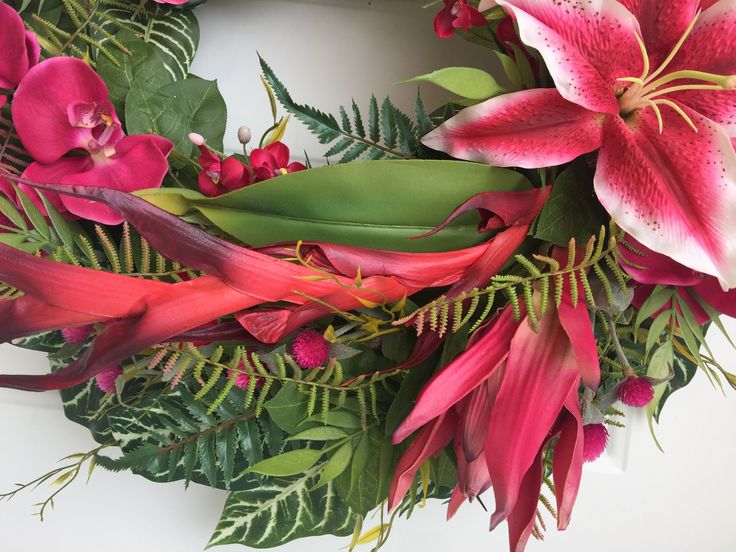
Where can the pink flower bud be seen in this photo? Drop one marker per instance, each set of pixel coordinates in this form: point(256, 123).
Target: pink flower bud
point(595, 439)
point(636, 392)
point(310, 349)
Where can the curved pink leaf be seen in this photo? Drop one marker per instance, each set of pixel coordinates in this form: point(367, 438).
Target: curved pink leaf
point(567, 467)
point(529, 129)
point(579, 329)
point(460, 377)
point(586, 45)
point(27, 316)
point(674, 192)
point(524, 515)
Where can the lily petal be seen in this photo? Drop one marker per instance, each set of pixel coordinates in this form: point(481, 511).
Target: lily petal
point(529, 129)
point(710, 45)
point(586, 45)
point(674, 192)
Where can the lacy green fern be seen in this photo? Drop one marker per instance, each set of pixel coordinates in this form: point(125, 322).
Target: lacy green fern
point(385, 132)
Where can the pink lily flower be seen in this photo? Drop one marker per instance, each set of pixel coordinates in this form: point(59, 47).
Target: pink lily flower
point(651, 269)
point(19, 47)
point(219, 176)
point(656, 96)
point(61, 106)
point(456, 14)
point(515, 389)
point(273, 160)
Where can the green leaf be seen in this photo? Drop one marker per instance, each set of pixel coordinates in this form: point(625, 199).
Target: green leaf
point(336, 418)
point(404, 400)
point(288, 408)
point(467, 82)
point(657, 300)
point(572, 210)
point(143, 62)
point(202, 103)
point(511, 69)
point(337, 464)
point(660, 366)
point(34, 215)
point(147, 111)
point(60, 224)
point(373, 204)
point(10, 211)
point(288, 463)
point(271, 513)
point(319, 434)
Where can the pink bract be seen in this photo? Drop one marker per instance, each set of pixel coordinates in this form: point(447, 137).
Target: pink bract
point(62, 106)
point(654, 94)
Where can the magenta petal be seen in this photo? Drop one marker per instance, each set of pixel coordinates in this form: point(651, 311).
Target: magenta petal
point(529, 129)
point(540, 374)
point(432, 439)
point(263, 158)
point(443, 22)
point(710, 291)
point(524, 514)
point(568, 459)
point(280, 153)
point(54, 172)
point(579, 330)
point(674, 192)
point(460, 377)
point(41, 102)
point(586, 46)
point(658, 269)
point(16, 58)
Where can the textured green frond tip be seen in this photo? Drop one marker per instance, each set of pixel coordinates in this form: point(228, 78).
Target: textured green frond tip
point(271, 513)
point(384, 133)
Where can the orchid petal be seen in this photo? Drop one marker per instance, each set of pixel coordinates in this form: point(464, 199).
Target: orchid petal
point(19, 49)
point(40, 106)
point(675, 192)
point(460, 377)
point(586, 45)
point(528, 129)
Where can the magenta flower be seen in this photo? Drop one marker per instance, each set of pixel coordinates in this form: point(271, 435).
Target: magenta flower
point(654, 93)
point(62, 106)
point(108, 377)
point(636, 392)
point(219, 176)
point(456, 14)
point(515, 390)
point(310, 349)
point(595, 441)
point(650, 269)
point(19, 47)
point(273, 160)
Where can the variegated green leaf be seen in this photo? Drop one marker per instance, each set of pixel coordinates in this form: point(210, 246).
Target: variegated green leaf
point(271, 513)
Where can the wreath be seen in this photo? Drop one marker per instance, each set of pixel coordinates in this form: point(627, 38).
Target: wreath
point(459, 300)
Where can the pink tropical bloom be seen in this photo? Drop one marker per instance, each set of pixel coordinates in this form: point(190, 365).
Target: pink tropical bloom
point(219, 176)
point(636, 392)
point(650, 269)
point(654, 94)
point(595, 440)
point(456, 14)
point(61, 106)
point(524, 384)
point(273, 160)
point(310, 349)
point(19, 47)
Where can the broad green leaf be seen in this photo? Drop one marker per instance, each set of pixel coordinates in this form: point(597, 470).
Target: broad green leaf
point(288, 463)
point(377, 204)
point(467, 82)
point(572, 210)
point(404, 400)
point(660, 298)
point(511, 69)
point(143, 63)
point(337, 464)
point(270, 513)
point(336, 418)
point(319, 434)
point(147, 111)
point(288, 408)
point(202, 104)
point(660, 366)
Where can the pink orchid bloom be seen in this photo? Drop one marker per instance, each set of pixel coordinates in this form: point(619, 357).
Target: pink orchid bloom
point(61, 106)
point(219, 176)
point(650, 269)
point(456, 14)
point(655, 94)
point(514, 389)
point(273, 160)
point(19, 47)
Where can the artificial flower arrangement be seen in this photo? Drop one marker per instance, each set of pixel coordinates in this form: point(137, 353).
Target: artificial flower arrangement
point(456, 303)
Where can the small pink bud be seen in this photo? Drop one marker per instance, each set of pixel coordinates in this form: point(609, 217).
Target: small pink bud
point(595, 439)
point(78, 335)
point(636, 392)
point(243, 379)
point(107, 378)
point(310, 349)
point(196, 139)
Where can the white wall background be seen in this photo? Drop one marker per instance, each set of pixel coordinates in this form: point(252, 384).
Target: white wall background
point(677, 502)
